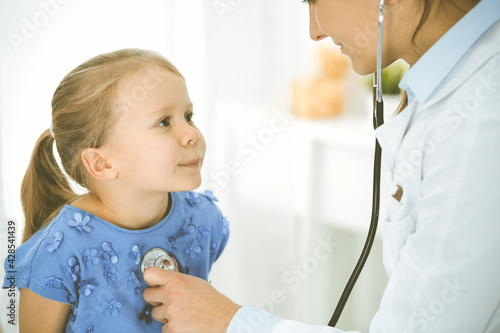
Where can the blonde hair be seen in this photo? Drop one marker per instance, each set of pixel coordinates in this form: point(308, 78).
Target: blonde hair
point(82, 115)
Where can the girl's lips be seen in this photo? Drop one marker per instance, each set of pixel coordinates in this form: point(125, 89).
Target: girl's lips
point(192, 163)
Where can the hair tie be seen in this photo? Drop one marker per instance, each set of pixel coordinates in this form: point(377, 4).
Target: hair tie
point(51, 132)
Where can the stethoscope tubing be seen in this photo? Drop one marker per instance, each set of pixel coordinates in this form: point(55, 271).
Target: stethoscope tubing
point(372, 230)
point(378, 119)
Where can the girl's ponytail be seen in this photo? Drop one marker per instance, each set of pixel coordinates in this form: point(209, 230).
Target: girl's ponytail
point(44, 188)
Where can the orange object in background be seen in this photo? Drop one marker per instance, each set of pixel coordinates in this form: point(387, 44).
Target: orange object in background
point(324, 95)
point(318, 97)
point(333, 63)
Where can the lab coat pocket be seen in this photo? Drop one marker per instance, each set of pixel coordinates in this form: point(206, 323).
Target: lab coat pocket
point(395, 234)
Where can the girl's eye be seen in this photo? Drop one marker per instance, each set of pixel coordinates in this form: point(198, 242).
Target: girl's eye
point(164, 122)
point(189, 117)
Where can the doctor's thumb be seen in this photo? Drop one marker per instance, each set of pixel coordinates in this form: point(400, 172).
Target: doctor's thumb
point(157, 277)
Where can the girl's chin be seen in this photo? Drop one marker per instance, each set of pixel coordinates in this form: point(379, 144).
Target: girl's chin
point(194, 184)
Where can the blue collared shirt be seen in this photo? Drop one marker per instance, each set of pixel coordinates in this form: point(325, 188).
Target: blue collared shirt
point(431, 70)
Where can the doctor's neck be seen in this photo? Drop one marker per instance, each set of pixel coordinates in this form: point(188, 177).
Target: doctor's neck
point(437, 18)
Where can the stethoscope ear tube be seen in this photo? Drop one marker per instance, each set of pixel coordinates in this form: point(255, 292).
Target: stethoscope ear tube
point(378, 119)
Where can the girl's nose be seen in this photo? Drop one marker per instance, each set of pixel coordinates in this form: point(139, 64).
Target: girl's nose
point(189, 134)
point(314, 30)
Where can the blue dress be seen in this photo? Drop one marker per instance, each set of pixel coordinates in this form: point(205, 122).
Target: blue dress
point(94, 266)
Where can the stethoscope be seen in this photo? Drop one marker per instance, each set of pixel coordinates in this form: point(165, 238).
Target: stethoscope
point(378, 119)
point(160, 258)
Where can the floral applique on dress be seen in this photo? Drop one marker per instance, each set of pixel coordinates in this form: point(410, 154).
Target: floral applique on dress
point(135, 254)
point(172, 242)
point(109, 273)
point(138, 290)
point(52, 283)
point(111, 308)
point(85, 287)
point(193, 249)
point(188, 268)
point(193, 198)
point(213, 249)
point(72, 302)
point(210, 195)
point(188, 227)
point(80, 222)
point(109, 253)
point(203, 234)
point(129, 279)
point(89, 258)
point(54, 241)
point(146, 314)
point(74, 268)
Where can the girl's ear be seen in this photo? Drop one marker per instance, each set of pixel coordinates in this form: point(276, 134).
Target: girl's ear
point(97, 165)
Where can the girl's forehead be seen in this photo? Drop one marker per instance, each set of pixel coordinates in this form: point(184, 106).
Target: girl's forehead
point(148, 89)
point(146, 77)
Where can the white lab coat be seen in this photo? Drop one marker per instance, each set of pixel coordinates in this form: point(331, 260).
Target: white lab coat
point(442, 240)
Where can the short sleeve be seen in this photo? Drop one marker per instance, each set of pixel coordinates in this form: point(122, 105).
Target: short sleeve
point(221, 238)
point(37, 266)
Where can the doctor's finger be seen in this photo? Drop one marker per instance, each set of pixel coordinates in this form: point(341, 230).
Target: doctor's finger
point(153, 296)
point(157, 277)
point(159, 313)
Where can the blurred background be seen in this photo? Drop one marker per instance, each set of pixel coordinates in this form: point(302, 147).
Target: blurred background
point(287, 125)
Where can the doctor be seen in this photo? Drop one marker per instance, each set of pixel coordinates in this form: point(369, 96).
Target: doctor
point(442, 231)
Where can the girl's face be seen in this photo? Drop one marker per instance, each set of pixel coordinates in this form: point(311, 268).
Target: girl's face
point(353, 25)
point(155, 144)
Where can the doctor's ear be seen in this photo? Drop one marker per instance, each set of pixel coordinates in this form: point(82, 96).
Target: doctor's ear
point(97, 165)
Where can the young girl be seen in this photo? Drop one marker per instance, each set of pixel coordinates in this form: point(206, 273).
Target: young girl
point(122, 123)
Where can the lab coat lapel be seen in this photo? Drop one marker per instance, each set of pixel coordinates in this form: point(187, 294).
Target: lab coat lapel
point(390, 135)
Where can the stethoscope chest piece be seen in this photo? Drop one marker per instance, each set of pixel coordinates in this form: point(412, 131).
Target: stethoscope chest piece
point(157, 257)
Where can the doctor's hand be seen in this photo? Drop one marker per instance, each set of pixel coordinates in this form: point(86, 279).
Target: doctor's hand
point(186, 303)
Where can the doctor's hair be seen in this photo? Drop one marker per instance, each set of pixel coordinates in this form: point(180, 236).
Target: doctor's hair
point(425, 15)
point(83, 112)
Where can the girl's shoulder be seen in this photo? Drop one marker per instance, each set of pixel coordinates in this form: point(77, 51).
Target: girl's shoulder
point(68, 218)
point(199, 207)
point(196, 200)
point(65, 233)
point(55, 226)
point(204, 219)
